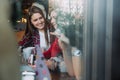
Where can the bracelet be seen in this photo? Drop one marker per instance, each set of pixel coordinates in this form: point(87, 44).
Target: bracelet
point(76, 53)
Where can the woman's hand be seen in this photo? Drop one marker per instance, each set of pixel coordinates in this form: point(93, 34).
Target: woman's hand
point(51, 64)
point(63, 42)
point(57, 33)
point(32, 66)
point(64, 39)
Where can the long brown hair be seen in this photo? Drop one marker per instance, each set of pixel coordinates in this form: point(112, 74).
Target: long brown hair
point(30, 28)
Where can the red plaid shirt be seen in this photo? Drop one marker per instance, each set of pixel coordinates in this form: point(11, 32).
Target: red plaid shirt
point(31, 41)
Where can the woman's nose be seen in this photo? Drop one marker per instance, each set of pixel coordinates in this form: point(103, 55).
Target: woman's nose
point(39, 21)
point(52, 20)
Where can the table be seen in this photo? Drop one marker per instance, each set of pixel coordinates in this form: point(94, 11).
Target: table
point(61, 76)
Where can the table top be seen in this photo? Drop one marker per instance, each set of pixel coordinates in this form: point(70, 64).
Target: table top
point(61, 76)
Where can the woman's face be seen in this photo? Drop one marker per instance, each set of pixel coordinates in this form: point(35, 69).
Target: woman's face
point(53, 18)
point(38, 21)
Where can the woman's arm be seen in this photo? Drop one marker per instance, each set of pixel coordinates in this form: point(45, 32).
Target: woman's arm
point(67, 55)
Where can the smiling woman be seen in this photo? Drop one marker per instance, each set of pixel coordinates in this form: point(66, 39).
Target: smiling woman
point(38, 21)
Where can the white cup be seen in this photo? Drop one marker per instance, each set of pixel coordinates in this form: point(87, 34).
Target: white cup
point(28, 75)
point(27, 52)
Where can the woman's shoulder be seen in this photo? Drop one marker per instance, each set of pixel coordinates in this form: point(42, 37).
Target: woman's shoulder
point(26, 38)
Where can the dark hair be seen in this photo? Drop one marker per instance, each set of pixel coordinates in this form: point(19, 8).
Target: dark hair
point(30, 28)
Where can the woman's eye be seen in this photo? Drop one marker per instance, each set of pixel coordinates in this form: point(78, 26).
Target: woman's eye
point(35, 19)
point(41, 18)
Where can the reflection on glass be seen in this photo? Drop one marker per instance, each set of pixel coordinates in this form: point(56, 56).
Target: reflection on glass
point(71, 17)
point(70, 20)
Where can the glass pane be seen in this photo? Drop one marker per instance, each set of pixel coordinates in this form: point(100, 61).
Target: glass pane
point(69, 17)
